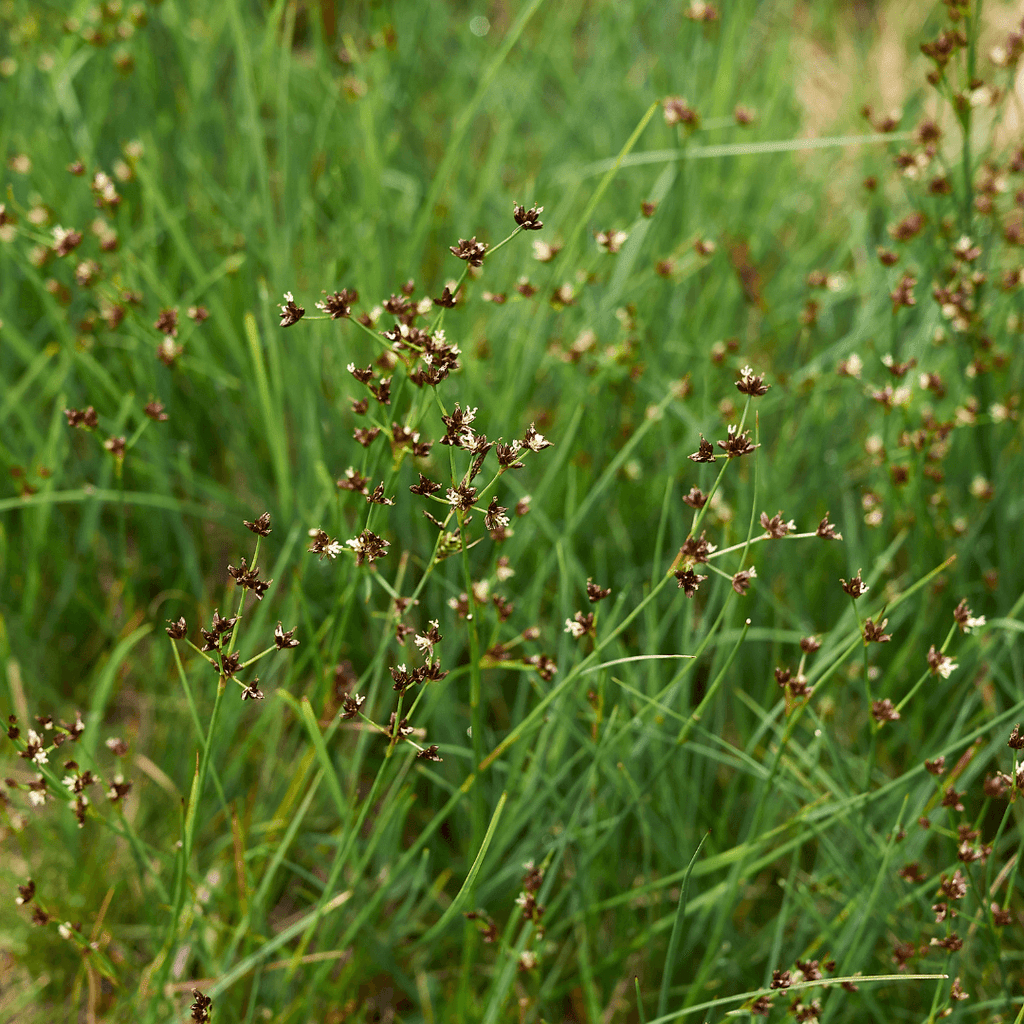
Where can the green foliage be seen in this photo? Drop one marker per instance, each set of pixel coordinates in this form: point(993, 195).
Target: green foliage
point(714, 795)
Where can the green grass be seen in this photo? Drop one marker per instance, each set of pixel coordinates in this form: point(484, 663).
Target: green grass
point(694, 828)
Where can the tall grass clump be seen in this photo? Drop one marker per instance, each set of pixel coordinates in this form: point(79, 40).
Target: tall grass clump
point(504, 522)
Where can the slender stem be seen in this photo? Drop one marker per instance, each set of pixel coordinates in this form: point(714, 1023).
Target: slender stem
point(475, 706)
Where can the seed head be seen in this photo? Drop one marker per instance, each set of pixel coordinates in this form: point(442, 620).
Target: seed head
point(261, 526)
point(339, 304)
point(964, 618)
point(176, 630)
point(322, 545)
point(470, 250)
point(155, 411)
point(534, 441)
point(290, 312)
point(201, 1007)
point(883, 711)
point(528, 220)
point(368, 547)
point(751, 384)
point(775, 527)
point(678, 111)
point(252, 691)
point(283, 639)
point(737, 443)
point(82, 417)
point(827, 531)
point(705, 453)
point(873, 632)
point(65, 240)
point(167, 322)
point(580, 625)
point(940, 664)
point(856, 586)
point(741, 580)
point(688, 581)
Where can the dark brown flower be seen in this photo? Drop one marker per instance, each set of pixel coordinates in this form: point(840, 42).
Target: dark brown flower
point(167, 322)
point(940, 664)
point(290, 312)
point(461, 498)
point(176, 630)
point(82, 418)
point(528, 220)
point(907, 228)
point(495, 517)
point(737, 443)
point(425, 486)
point(965, 619)
point(155, 411)
point(283, 639)
point(678, 111)
point(705, 453)
point(697, 549)
point(883, 711)
point(775, 527)
point(741, 580)
point(1016, 741)
point(366, 435)
point(351, 705)
point(534, 441)
point(368, 547)
point(936, 767)
point(1000, 917)
point(580, 625)
point(201, 1007)
point(951, 798)
point(470, 250)
point(809, 644)
point(261, 526)
point(197, 314)
point(781, 979)
point(912, 873)
point(252, 691)
point(353, 481)
point(322, 545)
point(116, 446)
point(596, 593)
point(376, 496)
point(688, 581)
point(856, 586)
point(955, 888)
point(903, 293)
point(751, 384)
point(65, 240)
point(827, 531)
point(696, 498)
point(447, 299)
point(873, 632)
point(339, 304)
point(545, 666)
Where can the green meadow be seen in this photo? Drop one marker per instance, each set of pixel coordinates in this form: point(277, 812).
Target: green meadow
point(511, 511)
